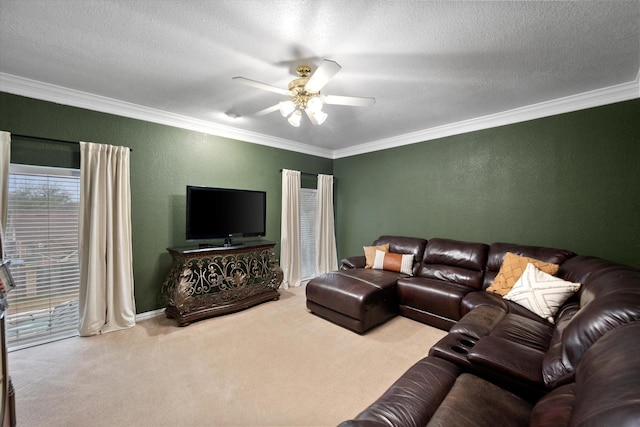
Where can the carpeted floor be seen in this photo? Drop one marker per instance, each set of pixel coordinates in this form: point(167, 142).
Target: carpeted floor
point(271, 365)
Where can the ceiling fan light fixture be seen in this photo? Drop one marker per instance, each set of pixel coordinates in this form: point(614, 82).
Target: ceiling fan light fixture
point(304, 93)
point(286, 108)
point(294, 119)
point(319, 116)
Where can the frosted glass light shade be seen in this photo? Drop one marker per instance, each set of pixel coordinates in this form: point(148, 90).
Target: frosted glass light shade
point(294, 119)
point(286, 108)
point(320, 116)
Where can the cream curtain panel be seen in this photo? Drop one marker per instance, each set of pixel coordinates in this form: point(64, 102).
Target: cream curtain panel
point(290, 229)
point(326, 253)
point(5, 159)
point(106, 272)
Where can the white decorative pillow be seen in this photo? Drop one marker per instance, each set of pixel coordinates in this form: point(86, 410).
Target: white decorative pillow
point(393, 262)
point(541, 292)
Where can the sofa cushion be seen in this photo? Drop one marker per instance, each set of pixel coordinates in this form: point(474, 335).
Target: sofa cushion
point(432, 296)
point(505, 358)
point(474, 402)
point(497, 252)
point(401, 263)
point(454, 261)
point(370, 253)
point(524, 331)
point(540, 292)
point(509, 349)
point(404, 245)
point(511, 270)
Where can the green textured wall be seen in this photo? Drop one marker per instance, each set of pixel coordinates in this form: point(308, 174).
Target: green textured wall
point(164, 160)
point(570, 181)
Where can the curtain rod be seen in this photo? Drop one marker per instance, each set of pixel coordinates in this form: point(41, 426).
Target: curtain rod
point(49, 139)
point(305, 173)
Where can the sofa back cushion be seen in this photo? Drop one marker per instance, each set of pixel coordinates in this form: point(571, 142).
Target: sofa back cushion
point(497, 252)
point(608, 298)
point(599, 277)
point(608, 380)
point(605, 391)
point(454, 261)
point(404, 245)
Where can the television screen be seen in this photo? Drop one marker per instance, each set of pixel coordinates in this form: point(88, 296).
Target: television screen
point(214, 213)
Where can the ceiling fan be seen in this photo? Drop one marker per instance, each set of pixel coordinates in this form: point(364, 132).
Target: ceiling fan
point(304, 93)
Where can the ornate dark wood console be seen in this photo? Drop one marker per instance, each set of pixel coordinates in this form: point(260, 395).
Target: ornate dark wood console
point(212, 281)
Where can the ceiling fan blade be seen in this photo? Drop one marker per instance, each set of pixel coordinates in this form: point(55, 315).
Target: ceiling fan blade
point(353, 101)
point(322, 75)
point(259, 85)
point(267, 110)
point(312, 117)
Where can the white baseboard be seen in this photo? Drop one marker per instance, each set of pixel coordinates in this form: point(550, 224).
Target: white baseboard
point(149, 314)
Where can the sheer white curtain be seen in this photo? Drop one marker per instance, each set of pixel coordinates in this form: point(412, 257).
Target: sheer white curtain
point(326, 253)
point(106, 272)
point(290, 229)
point(5, 158)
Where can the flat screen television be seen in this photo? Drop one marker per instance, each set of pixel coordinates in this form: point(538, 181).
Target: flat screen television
point(223, 213)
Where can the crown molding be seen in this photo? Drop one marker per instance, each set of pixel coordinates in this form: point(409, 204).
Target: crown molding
point(61, 95)
point(595, 98)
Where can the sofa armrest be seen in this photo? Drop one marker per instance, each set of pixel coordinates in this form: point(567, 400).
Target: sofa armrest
point(479, 322)
point(506, 357)
point(413, 398)
point(481, 298)
point(554, 409)
point(353, 262)
point(475, 299)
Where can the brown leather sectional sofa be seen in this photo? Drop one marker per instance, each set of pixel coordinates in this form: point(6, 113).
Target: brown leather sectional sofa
point(500, 364)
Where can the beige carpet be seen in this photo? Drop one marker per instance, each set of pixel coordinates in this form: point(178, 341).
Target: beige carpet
point(271, 365)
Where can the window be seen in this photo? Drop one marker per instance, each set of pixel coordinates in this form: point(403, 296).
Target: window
point(307, 232)
point(42, 244)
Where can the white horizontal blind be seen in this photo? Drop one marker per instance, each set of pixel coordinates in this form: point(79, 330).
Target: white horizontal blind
point(307, 232)
point(42, 244)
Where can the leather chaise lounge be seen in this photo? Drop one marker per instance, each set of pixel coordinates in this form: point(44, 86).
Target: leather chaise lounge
point(361, 298)
point(533, 370)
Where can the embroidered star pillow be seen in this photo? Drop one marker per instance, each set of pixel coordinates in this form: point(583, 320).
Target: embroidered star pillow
point(541, 292)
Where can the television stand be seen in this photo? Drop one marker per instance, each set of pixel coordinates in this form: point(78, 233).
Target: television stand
point(212, 281)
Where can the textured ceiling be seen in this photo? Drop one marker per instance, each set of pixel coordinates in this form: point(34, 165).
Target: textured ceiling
point(428, 64)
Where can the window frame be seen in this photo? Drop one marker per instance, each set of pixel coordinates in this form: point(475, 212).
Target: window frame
point(55, 320)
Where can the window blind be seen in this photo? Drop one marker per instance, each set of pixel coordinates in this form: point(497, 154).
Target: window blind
point(42, 244)
point(307, 232)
